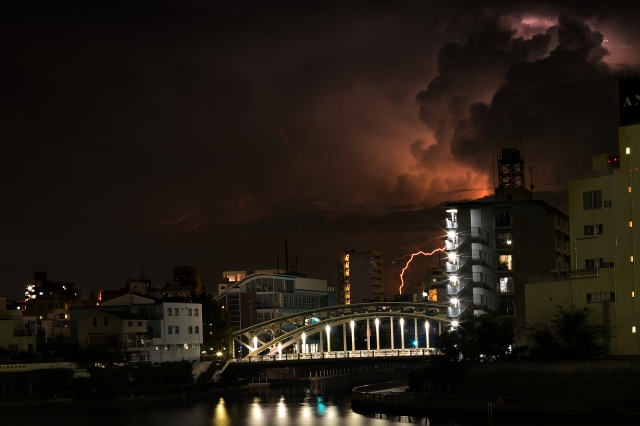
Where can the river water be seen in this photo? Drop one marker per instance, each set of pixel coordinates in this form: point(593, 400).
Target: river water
point(323, 403)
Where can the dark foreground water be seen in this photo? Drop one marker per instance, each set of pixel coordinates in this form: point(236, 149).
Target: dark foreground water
point(324, 403)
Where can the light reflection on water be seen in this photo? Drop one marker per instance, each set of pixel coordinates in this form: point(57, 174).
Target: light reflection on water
point(319, 404)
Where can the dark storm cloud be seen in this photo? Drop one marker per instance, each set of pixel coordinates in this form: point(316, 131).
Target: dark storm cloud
point(562, 103)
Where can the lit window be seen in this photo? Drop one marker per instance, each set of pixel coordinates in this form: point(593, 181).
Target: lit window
point(505, 262)
point(628, 150)
point(506, 285)
point(633, 329)
point(629, 189)
point(633, 294)
point(630, 224)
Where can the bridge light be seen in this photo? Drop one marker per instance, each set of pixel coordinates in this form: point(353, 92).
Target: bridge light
point(377, 321)
point(255, 342)
point(415, 343)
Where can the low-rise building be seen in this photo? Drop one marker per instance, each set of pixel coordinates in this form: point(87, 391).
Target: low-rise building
point(17, 332)
point(144, 327)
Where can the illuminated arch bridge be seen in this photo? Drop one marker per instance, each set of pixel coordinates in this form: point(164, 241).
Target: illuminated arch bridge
point(286, 337)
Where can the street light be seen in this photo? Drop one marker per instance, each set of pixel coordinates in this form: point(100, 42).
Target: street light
point(426, 326)
point(402, 333)
point(353, 337)
point(328, 340)
point(304, 340)
point(378, 335)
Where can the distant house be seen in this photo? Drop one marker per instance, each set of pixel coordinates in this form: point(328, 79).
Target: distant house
point(17, 332)
point(144, 327)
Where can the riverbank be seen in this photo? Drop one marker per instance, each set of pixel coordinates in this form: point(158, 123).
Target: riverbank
point(395, 398)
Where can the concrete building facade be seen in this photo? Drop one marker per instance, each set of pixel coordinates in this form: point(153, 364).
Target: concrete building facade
point(604, 216)
point(494, 246)
point(360, 277)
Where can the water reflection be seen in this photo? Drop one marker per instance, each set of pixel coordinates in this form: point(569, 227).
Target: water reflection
point(318, 404)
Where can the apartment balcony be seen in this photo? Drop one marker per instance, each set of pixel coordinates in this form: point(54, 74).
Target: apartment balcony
point(486, 279)
point(451, 267)
point(452, 290)
point(504, 222)
point(453, 312)
point(450, 224)
point(450, 245)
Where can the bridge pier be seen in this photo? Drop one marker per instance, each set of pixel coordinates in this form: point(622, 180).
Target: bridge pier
point(368, 337)
point(415, 331)
point(391, 328)
point(378, 336)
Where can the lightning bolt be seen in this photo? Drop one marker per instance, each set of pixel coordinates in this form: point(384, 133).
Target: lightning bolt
point(409, 262)
point(179, 220)
point(246, 199)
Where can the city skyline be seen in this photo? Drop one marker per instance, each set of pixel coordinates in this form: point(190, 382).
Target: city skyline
point(163, 135)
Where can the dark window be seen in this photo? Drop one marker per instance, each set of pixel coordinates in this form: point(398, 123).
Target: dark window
point(190, 330)
point(169, 311)
point(130, 323)
point(592, 200)
point(592, 263)
point(139, 323)
point(196, 312)
point(607, 204)
point(190, 311)
point(197, 329)
point(177, 329)
point(170, 331)
point(176, 311)
point(506, 307)
point(601, 297)
point(593, 229)
point(106, 321)
point(95, 322)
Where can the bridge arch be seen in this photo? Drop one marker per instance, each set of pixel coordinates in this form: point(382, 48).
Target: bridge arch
point(271, 336)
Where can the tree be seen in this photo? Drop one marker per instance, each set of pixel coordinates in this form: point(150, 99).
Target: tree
point(569, 336)
point(479, 338)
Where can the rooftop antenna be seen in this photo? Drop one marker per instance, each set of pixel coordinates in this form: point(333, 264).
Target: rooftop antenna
point(286, 257)
point(531, 179)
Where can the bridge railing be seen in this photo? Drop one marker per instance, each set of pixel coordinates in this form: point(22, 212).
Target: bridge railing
point(341, 355)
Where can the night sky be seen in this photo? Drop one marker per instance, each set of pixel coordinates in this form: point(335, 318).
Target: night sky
point(206, 134)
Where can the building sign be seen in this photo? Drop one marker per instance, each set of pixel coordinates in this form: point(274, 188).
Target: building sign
point(629, 89)
point(12, 367)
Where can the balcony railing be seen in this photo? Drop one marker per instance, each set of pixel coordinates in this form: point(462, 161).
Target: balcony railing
point(504, 221)
point(451, 224)
point(450, 245)
point(451, 267)
point(484, 256)
point(452, 289)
